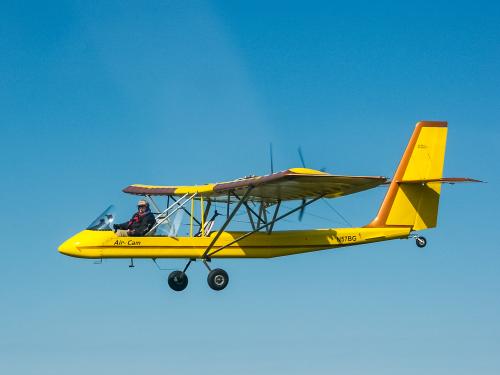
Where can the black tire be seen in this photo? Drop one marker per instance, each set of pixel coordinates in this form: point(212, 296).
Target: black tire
point(217, 279)
point(177, 280)
point(421, 241)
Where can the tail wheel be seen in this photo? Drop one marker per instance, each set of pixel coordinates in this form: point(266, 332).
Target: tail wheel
point(217, 279)
point(421, 241)
point(177, 280)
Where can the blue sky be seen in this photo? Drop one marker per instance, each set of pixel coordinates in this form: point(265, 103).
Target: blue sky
point(97, 96)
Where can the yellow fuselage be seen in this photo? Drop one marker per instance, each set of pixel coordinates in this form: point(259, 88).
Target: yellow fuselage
point(105, 244)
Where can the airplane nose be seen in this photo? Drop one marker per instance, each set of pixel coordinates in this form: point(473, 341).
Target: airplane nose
point(68, 248)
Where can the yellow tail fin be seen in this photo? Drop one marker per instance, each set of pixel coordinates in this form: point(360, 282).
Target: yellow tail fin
point(413, 196)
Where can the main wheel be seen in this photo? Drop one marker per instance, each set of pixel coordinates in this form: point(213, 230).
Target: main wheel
point(217, 279)
point(421, 241)
point(177, 280)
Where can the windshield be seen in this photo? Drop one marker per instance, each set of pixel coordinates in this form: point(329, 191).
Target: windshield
point(104, 221)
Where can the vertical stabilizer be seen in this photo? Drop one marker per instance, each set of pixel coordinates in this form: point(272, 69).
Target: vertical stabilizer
point(413, 196)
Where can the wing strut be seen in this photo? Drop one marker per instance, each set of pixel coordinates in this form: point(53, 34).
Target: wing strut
point(206, 255)
point(270, 229)
point(249, 210)
point(228, 220)
point(250, 216)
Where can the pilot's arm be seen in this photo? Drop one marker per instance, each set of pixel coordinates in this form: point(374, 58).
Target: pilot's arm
point(124, 225)
point(120, 226)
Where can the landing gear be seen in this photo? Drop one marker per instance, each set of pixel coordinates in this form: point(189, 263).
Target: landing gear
point(420, 241)
point(217, 279)
point(178, 281)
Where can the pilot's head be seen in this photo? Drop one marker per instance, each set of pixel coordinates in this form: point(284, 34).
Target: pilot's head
point(142, 205)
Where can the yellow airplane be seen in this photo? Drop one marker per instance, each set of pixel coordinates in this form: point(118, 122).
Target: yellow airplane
point(410, 204)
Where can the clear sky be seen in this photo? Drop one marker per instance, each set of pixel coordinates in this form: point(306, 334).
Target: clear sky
point(98, 95)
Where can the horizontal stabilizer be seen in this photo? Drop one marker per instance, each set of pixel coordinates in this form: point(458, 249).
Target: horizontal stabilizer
point(444, 180)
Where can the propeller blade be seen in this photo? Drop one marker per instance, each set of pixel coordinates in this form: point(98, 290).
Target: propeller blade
point(271, 157)
point(302, 210)
point(301, 157)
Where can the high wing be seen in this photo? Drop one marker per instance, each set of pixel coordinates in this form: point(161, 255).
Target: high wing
point(291, 184)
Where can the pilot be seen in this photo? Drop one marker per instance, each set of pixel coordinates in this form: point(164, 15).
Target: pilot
point(142, 221)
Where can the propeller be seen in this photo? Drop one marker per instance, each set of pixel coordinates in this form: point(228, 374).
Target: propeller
point(302, 210)
point(302, 161)
point(301, 156)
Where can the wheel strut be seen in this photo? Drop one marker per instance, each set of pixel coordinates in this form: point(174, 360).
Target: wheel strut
point(188, 264)
point(206, 264)
point(178, 280)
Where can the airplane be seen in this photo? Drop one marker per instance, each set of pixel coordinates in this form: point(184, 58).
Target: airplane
point(410, 205)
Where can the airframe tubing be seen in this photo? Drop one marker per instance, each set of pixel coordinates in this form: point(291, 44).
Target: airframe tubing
point(202, 226)
point(153, 202)
point(270, 229)
point(302, 206)
point(191, 217)
point(228, 220)
point(161, 221)
point(249, 209)
point(184, 209)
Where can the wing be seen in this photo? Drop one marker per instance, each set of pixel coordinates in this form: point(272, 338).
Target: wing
point(291, 184)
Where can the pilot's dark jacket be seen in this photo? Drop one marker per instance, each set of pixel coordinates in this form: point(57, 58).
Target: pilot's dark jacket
point(140, 224)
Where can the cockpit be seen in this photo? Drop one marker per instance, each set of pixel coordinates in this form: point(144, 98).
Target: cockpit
point(167, 222)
